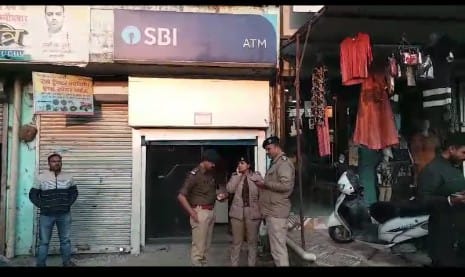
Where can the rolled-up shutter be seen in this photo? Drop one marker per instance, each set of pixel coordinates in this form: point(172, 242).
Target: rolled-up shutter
point(97, 151)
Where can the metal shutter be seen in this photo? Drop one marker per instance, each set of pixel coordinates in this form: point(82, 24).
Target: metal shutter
point(97, 150)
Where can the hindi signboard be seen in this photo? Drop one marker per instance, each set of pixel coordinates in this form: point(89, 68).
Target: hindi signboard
point(45, 34)
point(62, 94)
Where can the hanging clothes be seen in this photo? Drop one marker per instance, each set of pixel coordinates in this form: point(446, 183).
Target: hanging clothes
point(454, 114)
point(437, 95)
point(324, 141)
point(385, 172)
point(355, 58)
point(396, 110)
point(318, 118)
point(423, 147)
point(375, 127)
point(353, 153)
point(318, 96)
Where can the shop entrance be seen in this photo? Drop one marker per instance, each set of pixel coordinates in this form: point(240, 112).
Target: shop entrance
point(167, 163)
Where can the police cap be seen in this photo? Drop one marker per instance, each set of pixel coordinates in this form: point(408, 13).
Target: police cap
point(271, 140)
point(454, 139)
point(211, 156)
point(244, 159)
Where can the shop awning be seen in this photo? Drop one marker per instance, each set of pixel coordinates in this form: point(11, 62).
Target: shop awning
point(385, 24)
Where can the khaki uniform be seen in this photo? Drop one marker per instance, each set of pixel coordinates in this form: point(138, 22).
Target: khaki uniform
point(200, 191)
point(275, 205)
point(243, 217)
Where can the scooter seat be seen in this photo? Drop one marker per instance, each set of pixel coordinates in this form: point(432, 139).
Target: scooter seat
point(384, 211)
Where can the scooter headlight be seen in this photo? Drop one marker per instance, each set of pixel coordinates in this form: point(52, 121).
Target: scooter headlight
point(344, 184)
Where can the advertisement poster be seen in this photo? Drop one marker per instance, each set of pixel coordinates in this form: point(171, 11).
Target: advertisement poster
point(62, 94)
point(45, 34)
point(101, 36)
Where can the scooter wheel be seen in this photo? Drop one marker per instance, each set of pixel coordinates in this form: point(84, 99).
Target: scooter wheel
point(339, 234)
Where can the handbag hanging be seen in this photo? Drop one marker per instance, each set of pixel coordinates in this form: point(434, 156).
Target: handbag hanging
point(410, 56)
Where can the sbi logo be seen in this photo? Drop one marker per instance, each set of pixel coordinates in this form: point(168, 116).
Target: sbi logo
point(131, 35)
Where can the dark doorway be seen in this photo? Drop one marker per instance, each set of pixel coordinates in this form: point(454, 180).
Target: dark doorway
point(166, 168)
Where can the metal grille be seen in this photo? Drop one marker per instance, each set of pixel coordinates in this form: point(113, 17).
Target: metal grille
point(97, 151)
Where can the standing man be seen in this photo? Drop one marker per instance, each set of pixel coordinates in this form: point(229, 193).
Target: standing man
point(442, 187)
point(274, 199)
point(53, 193)
point(197, 196)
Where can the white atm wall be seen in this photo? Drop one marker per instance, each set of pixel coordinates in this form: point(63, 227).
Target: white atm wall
point(165, 102)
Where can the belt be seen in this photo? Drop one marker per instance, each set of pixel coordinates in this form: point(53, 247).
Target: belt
point(204, 207)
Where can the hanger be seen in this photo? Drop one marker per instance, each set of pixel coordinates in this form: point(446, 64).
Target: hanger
point(406, 46)
point(354, 35)
point(404, 43)
point(434, 38)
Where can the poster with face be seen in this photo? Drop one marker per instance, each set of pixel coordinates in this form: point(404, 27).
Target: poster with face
point(45, 34)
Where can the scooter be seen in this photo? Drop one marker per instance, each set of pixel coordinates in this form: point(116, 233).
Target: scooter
point(382, 225)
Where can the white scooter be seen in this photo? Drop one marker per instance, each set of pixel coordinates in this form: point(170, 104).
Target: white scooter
point(383, 225)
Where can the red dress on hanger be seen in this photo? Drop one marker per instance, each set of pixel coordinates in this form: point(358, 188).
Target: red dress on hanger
point(355, 58)
point(324, 140)
point(375, 127)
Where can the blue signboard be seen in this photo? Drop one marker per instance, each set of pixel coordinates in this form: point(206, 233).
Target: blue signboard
point(166, 37)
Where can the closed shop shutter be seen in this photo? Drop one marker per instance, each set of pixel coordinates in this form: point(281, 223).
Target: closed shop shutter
point(97, 151)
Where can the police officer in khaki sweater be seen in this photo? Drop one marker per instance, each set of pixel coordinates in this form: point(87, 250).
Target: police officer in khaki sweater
point(274, 199)
point(197, 196)
point(244, 212)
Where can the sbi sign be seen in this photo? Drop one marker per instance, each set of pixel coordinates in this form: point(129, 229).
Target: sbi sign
point(131, 35)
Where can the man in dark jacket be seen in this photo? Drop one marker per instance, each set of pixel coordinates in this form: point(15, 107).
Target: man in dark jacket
point(53, 193)
point(442, 187)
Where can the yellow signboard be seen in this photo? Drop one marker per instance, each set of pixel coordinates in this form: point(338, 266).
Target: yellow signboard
point(62, 94)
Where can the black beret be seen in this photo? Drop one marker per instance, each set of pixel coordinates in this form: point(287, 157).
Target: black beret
point(455, 139)
point(271, 140)
point(211, 156)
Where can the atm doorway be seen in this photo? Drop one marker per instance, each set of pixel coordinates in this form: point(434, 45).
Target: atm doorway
point(167, 164)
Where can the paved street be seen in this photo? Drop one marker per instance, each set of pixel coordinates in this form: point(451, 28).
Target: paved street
point(330, 253)
point(178, 253)
point(175, 253)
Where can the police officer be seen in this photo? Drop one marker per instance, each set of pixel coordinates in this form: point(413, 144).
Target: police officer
point(244, 212)
point(197, 196)
point(274, 199)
